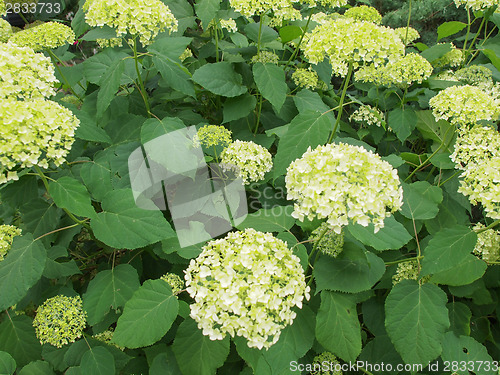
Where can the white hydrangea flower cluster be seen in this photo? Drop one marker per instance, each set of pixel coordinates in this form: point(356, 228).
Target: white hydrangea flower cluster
point(369, 115)
point(44, 36)
point(265, 57)
point(5, 30)
point(25, 74)
point(110, 43)
point(212, 135)
point(452, 58)
point(34, 132)
point(246, 284)
point(252, 161)
point(327, 241)
point(401, 73)
point(7, 234)
point(229, 25)
point(364, 13)
point(488, 244)
point(139, 18)
point(306, 78)
point(345, 41)
point(3, 9)
point(342, 182)
point(475, 75)
point(412, 34)
point(462, 105)
point(476, 4)
point(475, 145)
point(322, 17)
point(60, 320)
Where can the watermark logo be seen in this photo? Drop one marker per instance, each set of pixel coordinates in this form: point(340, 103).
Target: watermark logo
point(204, 200)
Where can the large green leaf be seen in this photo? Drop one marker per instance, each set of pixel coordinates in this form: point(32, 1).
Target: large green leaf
point(96, 175)
point(435, 52)
point(460, 315)
point(450, 28)
point(17, 337)
point(7, 364)
point(220, 79)
point(270, 80)
point(109, 86)
point(39, 217)
point(37, 368)
point(125, 226)
point(109, 289)
point(307, 129)
point(191, 344)
point(88, 129)
point(153, 128)
point(206, 10)
point(95, 67)
point(402, 122)
point(71, 194)
point(381, 350)
point(21, 269)
point(353, 271)
point(470, 269)
point(147, 316)
point(97, 361)
point(337, 326)
point(421, 200)
point(465, 350)
point(175, 75)
point(238, 107)
point(416, 319)
point(438, 131)
point(391, 237)
point(276, 219)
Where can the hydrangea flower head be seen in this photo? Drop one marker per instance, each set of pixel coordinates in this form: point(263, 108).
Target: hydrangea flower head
point(451, 58)
point(341, 182)
point(110, 43)
point(252, 161)
point(305, 78)
point(139, 18)
point(407, 271)
point(476, 144)
point(364, 13)
point(229, 25)
point(488, 244)
point(367, 114)
point(5, 29)
point(246, 284)
point(331, 362)
point(7, 234)
point(174, 281)
point(476, 4)
point(462, 105)
point(3, 9)
point(345, 41)
point(60, 320)
point(186, 54)
point(212, 135)
point(34, 132)
point(44, 36)
point(474, 75)
point(412, 34)
point(25, 74)
point(327, 241)
point(265, 57)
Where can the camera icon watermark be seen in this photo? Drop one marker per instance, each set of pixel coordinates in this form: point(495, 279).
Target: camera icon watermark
point(204, 200)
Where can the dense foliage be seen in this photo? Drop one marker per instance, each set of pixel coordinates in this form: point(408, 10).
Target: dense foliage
point(355, 165)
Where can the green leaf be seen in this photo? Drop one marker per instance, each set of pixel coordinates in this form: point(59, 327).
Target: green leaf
point(402, 122)
point(268, 34)
point(353, 271)
point(220, 79)
point(449, 28)
point(39, 217)
point(175, 75)
point(276, 219)
point(109, 86)
point(125, 226)
point(493, 56)
point(470, 269)
point(416, 319)
point(307, 129)
point(238, 107)
point(96, 176)
point(392, 236)
point(421, 200)
point(206, 10)
point(337, 326)
point(98, 361)
point(147, 316)
point(170, 47)
point(435, 131)
point(95, 67)
point(71, 194)
point(88, 129)
point(164, 364)
point(7, 364)
point(104, 32)
point(270, 80)
point(460, 316)
point(190, 343)
point(21, 269)
point(154, 128)
point(381, 350)
point(37, 368)
point(465, 349)
point(109, 289)
point(17, 337)
point(435, 52)
point(289, 33)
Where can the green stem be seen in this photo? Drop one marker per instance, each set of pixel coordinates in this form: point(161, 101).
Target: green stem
point(313, 251)
point(408, 24)
point(448, 179)
point(142, 89)
point(473, 41)
point(260, 33)
point(296, 51)
point(342, 97)
point(216, 36)
point(404, 260)
point(55, 57)
point(259, 110)
point(495, 223)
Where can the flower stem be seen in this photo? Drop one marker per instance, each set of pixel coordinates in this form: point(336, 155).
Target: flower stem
point(216, 36)
point(296, 51)
point(404, 260)
point(142, 89)
point(342, 98)
point(57, 59)
point(492, 225)
point(407, 24)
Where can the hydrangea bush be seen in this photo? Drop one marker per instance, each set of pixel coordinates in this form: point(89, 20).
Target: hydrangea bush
point(363, 228)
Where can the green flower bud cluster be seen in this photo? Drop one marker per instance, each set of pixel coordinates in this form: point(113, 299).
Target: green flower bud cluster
point(229, 25)
point(474, 75)
point(106, 338)
point(412, 34)
point(407, 271)
point(246, 284)
point(265, 57)
point(488, 244)
point(252, 161)
point(212, 135)
point(476, 4)
point(60, 320)
point(464, 105)
point(174, 281)
point(5, 30)
point(344, 41)
point(186, 54)
point(139, 18)
point(327, 241)
point(44, 36)
point(341, 182)
point(364, 13)
point(331, 363)
point(110, 43)
point(367, 114)
point(305, 78)
point(7, 234)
